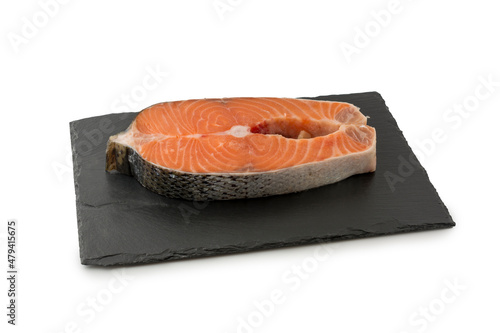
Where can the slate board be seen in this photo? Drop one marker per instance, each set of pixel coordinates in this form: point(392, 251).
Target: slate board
point(121, 223)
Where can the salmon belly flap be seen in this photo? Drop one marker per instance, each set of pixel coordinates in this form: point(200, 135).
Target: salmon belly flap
point(219, 149)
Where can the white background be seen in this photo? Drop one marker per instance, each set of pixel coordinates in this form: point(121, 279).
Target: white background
point(428, 57)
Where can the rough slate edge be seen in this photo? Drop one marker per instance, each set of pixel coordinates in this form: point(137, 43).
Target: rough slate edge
point(134, 259)
point(124, 259)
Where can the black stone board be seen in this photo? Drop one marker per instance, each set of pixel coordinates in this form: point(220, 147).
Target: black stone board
point(121, 223)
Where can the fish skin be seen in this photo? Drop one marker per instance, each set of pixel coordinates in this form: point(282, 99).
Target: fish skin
point(123, 157)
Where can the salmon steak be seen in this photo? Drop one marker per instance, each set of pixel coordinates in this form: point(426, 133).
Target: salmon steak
point(235, 148)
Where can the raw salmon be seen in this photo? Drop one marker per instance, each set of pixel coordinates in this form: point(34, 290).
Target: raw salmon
point(219, 149)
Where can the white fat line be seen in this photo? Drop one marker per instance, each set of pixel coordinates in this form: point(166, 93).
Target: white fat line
point(129, 138)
